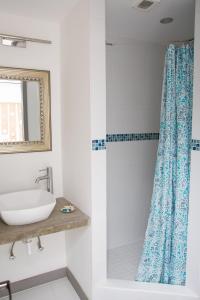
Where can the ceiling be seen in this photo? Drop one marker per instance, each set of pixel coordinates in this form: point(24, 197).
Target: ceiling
point(125, 22)
point(122, 20)
point(48, 10)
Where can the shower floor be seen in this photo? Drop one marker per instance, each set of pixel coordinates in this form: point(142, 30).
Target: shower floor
point(123, 261)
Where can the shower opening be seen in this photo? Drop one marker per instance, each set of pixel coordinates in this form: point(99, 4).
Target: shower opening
point(137, 46)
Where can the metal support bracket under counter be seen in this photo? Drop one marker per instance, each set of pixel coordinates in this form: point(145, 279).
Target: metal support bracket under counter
point(57, 222)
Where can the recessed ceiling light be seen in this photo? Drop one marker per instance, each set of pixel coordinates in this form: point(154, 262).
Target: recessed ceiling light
point(144, 5)
point(167, 20)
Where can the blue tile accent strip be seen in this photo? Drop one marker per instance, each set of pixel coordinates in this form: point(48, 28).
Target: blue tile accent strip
point(110, 138)
point(99, 145)
point(196, 145)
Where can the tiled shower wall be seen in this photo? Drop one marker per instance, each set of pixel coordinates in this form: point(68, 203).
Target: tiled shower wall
point(134, 85)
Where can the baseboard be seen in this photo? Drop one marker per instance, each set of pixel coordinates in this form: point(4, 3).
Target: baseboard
point(31, 282)
point(34, 281)
point(76, 286)
point(28, 283)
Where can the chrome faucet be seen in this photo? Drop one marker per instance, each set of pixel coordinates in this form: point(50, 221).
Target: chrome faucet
point(48, 177)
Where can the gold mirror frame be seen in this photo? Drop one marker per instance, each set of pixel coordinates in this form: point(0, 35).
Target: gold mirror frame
point(43, 77)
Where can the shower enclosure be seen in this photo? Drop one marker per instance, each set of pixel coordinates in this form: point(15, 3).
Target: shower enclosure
point(135, 64)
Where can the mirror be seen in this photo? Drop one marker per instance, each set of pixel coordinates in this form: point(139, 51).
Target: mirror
point(19, 111)
point(24, 110)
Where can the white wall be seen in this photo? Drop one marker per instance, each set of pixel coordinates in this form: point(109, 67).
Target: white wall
point(76, 135)
point(98, 131)
point(84, 119)
point(18, 171)
point(134, 87)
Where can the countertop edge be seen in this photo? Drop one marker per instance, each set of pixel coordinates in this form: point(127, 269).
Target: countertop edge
point(57, 222)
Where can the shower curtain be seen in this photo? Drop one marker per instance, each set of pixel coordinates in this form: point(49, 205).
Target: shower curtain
point(165, 246)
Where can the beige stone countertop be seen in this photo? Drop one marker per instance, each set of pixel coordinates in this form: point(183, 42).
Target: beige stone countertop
point(57, 221)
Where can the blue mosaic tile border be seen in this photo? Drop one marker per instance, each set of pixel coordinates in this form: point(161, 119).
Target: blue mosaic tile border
point(196, 145)
point(99, 145)
point(110, 138)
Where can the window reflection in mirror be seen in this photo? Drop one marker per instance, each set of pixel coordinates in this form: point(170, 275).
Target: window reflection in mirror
point(19, 111)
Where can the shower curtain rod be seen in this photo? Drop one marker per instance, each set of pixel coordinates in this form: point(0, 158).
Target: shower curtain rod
point(171, 42)
point(109, 44)
point(184, 41)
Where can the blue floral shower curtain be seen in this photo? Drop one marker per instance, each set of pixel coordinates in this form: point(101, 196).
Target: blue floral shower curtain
point(165, 247)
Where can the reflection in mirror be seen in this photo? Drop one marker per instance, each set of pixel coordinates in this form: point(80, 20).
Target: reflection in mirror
point(19, 111)
point(25, 110)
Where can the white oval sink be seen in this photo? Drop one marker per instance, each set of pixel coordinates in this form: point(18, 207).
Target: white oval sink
point(26, 207)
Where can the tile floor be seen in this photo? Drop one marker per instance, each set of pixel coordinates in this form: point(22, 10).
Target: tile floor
point(122, 264)
point(56, 290)
point(123, 261)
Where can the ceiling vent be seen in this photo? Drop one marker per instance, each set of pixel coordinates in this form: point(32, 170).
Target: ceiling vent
point(144, 5)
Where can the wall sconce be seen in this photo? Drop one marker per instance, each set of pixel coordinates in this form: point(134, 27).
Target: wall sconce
point(19, 41)
point(12, 42)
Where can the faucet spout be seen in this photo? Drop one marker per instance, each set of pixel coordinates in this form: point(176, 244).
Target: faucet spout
point(48, 177)
point(38, 179)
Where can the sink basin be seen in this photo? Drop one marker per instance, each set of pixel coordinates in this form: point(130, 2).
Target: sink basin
point(26, 207)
